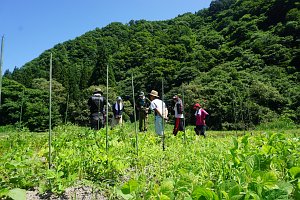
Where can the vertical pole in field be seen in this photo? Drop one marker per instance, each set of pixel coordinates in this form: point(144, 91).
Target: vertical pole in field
point(21, 109)
point(183, 112)
point(106, 135)
point(1, 63)
point(67, 107)
point(134, 113)
point(50, 102)
point(163, 114)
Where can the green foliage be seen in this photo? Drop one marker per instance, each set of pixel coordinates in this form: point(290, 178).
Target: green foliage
point(242, 56)
point(259, 165)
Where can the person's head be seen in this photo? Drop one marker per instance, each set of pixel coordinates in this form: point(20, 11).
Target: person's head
point(141, 95)
point(98, 91)
point(119, 99)
point(153, 95)
point(197, 106)
point(175, 97)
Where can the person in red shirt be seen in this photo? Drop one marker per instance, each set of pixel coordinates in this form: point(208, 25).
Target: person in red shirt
point(201, 115)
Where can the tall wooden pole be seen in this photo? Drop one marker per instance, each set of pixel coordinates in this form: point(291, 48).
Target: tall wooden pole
point(106, 138)
point(183, 112)
point(50, 102)
point(134, 113)
point(1, 63)
point(163, 114)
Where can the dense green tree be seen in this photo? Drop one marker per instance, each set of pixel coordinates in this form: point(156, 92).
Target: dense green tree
point(241, 56)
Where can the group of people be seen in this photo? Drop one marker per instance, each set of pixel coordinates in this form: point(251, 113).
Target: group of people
point(97, 103)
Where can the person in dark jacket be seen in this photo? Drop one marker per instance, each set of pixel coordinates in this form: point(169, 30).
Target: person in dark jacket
point(97, 113)
point(142, 106)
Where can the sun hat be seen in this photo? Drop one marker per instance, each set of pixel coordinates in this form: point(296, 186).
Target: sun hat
point(175, 97)
point(119, 98)
point(153, 93)
point(141, 94)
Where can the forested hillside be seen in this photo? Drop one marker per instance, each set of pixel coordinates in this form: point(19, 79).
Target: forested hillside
point(239, 58)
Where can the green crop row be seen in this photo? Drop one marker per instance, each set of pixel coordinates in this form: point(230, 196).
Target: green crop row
point(225, 165)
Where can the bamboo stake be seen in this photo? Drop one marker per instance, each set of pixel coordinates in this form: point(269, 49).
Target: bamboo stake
point(1, 63)
point(163, 114)
point(50, 102)
point(183, 112)
point(106, 143)
point(134, 113)
point(21, 109)
point(67, 107)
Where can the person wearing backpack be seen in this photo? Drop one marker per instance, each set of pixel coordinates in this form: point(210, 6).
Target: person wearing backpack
point(178, 109)
point(201, 116)
point(96, 104)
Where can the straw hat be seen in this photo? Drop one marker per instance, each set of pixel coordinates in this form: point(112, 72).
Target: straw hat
point(153, 93)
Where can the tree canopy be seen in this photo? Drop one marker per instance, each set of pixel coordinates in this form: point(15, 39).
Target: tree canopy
point(241, 57)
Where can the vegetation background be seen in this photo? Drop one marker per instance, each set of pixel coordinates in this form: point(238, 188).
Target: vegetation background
point(240, 59)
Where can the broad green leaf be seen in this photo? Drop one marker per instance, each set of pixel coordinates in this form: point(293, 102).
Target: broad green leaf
point(129, 187)
point(276, 194)
point(17, 194)
point(125, 196)
point(164, 197)
point(234, 191)
point(166, 187)
point(269, 180)
point(202, 193)
point(3, 192)
point(295, 172)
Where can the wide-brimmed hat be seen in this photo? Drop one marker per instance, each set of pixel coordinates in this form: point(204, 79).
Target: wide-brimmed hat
point(153, 93)
point(98, 90)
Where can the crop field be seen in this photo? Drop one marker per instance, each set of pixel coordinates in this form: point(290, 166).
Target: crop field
point(225, 165)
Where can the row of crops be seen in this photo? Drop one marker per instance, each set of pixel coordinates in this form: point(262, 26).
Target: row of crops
point(225, 165)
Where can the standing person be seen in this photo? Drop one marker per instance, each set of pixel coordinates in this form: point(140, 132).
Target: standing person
point(178, 108)
point(160, 111)
point(142, 105)
point(97, 113)
point(201, 115)
point(118, 108)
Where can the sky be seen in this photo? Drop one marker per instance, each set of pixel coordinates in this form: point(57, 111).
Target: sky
point(29, 27)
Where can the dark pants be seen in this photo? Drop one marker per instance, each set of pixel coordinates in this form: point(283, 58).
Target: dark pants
point(178, 126)
point(200, 130)
point(97, 121)
point(143, 115)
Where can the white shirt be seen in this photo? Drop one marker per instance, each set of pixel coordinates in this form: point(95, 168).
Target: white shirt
point(159, 105)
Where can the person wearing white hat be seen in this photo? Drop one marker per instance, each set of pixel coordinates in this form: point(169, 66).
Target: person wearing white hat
point(142, 106)
point(160, 111)
point(118, 108)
